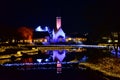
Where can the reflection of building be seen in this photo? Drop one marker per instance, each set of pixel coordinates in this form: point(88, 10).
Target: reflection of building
point(59, 55)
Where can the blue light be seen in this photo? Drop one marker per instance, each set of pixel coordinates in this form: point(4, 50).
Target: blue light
point(84, 59)
point(46, 28)
point(57, 34)
point(39, 29)
point(46, 60)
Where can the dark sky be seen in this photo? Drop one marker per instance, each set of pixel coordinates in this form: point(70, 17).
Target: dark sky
point(77, 16)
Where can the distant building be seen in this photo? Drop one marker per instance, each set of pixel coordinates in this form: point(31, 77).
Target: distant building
point(76, 38)
point(107, 38)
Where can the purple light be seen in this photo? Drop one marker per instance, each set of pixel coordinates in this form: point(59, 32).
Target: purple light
point(57, 55)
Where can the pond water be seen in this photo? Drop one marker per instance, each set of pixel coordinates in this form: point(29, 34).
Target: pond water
point(46, 57)
point(54, 58)
point(53, 64)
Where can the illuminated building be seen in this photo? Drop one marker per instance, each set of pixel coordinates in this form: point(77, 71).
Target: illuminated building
point(46, 36)
point(57, 33)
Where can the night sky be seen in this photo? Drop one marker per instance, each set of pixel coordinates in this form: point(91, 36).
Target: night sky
point(77, 16)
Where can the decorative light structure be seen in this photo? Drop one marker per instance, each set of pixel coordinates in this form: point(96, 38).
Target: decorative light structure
point(58, 32)
point(58, 23)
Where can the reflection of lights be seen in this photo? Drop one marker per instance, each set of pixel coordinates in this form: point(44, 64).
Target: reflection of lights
point(84, 59)
point(114, 51)
point(39, 60)
point(59, 67)
point(4, 60)
point(33, 48)
point(59, 55)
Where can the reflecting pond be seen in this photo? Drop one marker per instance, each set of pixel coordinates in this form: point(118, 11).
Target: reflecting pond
point(44, 59)
point(61, 57)
point(51, 62)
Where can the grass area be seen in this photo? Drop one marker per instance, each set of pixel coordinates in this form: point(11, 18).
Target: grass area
point(109, 66)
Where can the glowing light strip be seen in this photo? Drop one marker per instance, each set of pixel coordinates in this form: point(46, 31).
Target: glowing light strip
point(27, 64)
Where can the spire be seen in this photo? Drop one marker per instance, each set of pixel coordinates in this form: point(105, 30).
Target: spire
point(58, 23)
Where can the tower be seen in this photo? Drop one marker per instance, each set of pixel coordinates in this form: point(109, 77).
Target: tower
point(58, 32)
point(58, 23)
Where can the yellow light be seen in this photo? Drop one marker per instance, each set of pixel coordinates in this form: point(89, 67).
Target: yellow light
point(69, 39)
point(109, 41)
point(115, 40)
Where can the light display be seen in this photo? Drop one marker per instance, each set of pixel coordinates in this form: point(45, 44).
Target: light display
point(40, 29)
point(58, 23)
point(59, 32)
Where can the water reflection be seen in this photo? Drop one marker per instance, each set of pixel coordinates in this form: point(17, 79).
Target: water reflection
point(59, 55)
point(116, 51)
point(44, 56)
point(59, 67)
point(50, 59)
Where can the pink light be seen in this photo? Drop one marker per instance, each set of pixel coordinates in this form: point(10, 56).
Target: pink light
point(58, 22)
